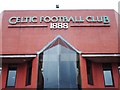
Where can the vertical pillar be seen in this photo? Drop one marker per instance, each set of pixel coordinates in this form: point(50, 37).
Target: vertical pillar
point(4, 75)
point(83, 71)
point(34, 72)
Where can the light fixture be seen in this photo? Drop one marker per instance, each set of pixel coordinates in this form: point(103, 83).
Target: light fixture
point(57, 6)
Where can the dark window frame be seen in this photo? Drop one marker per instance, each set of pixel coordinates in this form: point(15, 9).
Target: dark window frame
point(28, 73)
point(11, 68)
point(108, 67)
point(40, 80)
point(0, 71)
point(89, 72)
point(79, 72)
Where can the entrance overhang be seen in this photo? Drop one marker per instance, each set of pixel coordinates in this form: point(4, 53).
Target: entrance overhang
point(16, 58)
point(103, 58)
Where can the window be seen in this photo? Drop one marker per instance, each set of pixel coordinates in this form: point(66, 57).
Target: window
point(0, 71)
point(107, 73)
point(11, 78)
point(89, 72)
point(29, 73)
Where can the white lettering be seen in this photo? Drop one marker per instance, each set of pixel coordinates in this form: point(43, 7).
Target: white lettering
point(58, 25)
point(14, 20)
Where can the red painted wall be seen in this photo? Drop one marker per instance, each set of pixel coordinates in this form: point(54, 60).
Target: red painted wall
point(21, 75)
point(119, 32)
point(98, 78)
point(0, 47)
point(1, 32)
point(31, 40)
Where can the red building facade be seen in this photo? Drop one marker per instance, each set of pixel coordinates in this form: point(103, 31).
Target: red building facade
point(60, 49)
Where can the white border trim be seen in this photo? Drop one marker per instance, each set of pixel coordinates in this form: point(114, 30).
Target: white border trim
point(18, 56)
point(56, 39)
point(83, 55)
point(100, 55)
point(90, 25)
point(25, 26)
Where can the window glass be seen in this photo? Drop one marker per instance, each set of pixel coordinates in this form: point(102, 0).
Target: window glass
point(11, 78)
point(108, 78)
point(59, 68)
point(29, 73)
